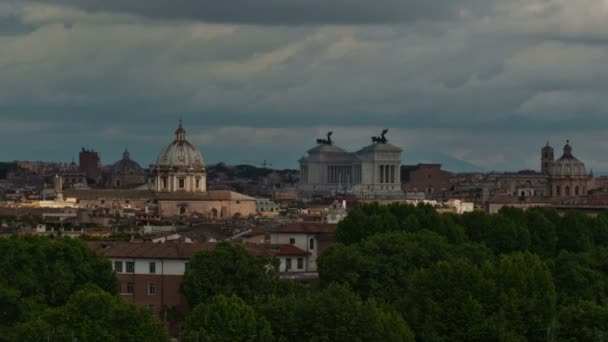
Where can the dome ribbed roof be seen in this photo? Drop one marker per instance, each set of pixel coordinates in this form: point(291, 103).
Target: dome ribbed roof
point(568, 165)
point(126, 165)
point(180, 153)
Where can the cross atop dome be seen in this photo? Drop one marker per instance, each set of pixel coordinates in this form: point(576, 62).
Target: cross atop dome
point(180, 132)
point(568, 149)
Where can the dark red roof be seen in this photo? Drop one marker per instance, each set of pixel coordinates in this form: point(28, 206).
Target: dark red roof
point(276, 250)
point(149, 250)
point(307, 227)
point(180, 250)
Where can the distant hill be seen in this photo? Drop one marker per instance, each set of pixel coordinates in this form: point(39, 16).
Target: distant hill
point(448, 162)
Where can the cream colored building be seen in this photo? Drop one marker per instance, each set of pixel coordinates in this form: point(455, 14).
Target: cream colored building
point(372, 172)
point(179, 188)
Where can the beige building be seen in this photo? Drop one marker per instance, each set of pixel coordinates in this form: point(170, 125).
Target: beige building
point(567, 176)
point(372, 172)
point(179, 189)
point(126, 173)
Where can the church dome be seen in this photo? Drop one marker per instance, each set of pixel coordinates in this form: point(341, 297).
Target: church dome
point(126, 165)
point(568, 165)
point(180, 154)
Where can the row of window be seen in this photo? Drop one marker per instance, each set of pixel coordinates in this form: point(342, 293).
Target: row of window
point(181, 183)
point(130, 267)
point(288, 265)
point(151, 288)
point(311, 243)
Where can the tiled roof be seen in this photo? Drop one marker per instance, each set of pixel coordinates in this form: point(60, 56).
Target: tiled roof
point(149, 250)
point(307, 227)
point(211, 195)
point(276, 250)
point(176, 250)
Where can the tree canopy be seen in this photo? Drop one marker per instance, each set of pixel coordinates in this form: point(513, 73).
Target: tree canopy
point(226, 318)
point(228, 269)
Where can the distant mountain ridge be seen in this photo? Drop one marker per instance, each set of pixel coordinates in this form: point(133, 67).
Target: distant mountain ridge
point(448, 162)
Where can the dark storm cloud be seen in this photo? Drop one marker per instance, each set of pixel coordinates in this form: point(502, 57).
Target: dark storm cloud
point(476, 82)
point(11, 24)
point(277, 12)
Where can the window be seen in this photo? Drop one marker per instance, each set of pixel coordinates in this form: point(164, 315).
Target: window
point(182, 183)
point(118, 266)
point(118, 183)
point(130, 288)
point(300, 263)
point(287, 264)
point(182, 210)
point(152, 267)
point(312, 244)
point(164, 181)
point(152, 309)
point(130, 267)
point(292, 241)
point(151, 289)
point(198, 183)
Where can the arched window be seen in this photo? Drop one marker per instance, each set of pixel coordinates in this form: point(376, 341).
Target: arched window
point(182, 210)
point(214, 213)
point(576, 191)
point(164, 181)
point(567, 189)
point(118, 183)
point(558, 190)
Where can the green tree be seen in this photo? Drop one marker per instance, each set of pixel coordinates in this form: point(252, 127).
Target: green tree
point(334, 314)
point(574, 232)
point(543, 236)
point(50, 271)
point(506, 235)
point(92, 315)
point(525, 294)
point(380, 266)
point(599, 229)
point(226, 319)
point(364, 221)
point(583, 321)
point(228, 269)
point(445, 302)
point(581, 276)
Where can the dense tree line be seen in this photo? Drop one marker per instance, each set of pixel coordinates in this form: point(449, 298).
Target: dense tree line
point(396, 273)
point(60, 290)
point(237, 297)
point(515, 276)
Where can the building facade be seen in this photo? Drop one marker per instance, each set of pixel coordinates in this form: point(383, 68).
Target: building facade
point(429, 179)
point(150, 274)
point(89, 163)
point(373, 171)
point(179, 188)
point(126, 173)
point(568, 176)
point(180, 166)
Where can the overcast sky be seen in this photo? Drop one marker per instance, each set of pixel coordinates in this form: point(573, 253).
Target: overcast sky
point(482, 81)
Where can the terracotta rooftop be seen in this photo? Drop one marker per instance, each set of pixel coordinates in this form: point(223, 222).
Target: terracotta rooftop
point(276, 250)
point(149, 250)
point(176, 250)
point(211, 195)
point(307, 227)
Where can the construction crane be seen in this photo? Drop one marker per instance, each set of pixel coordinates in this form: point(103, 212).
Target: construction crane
point(263, 164)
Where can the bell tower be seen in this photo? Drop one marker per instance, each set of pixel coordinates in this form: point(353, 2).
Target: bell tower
point(546, 158)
